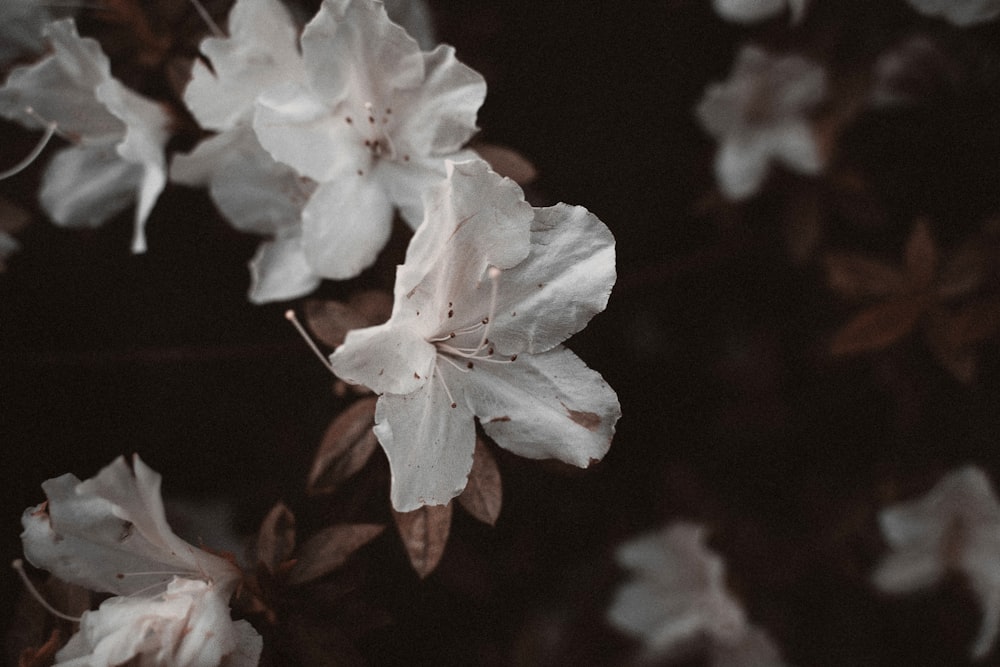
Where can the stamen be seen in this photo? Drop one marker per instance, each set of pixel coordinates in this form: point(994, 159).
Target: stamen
point(206, 17)
point(290, 316)
point(443, 383)
point(455, 364)
point(50, 131)
point(494, 274)
point(18, 565)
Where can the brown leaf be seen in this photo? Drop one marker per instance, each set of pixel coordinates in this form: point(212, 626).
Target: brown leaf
point(921, 256)
point(878, 327)
point(374, 305)
point(330, 548)
point(347, 444)
point(964, 271)
point(13, 217)
point(425, 534)
point(507, 162)
point(803, 227)
point(856, 277)
point(969, 325)
point(276, 538)
point(330, 321)
point(483, 493)
point(44, 655)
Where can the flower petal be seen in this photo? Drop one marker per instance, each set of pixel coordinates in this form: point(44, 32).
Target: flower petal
point(565, 280)
point(741, 165)
point(261, 50)
point(345, 225)
point(429, 445)
point(384, 359)
point(279, 271)
point(547, 405)
point(84, 186)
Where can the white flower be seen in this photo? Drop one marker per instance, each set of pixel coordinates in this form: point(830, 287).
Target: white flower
point(749, 11)
point(489, 290)
point(956, 527)
point(119, 135)
point(186, 625)
point(960, 12)
point(759, 115)
point(372, 125)
point(678, 598)
point(21, 23)
point(110, 534)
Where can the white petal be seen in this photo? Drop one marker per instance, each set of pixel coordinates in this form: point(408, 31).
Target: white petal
point(261, 50)
point(748, 10)
point(407, 183)
point(84, 186)
point(754, 649)
point(107, 532)
point(741, 166)
point(439, 116)
point(415, 17)
point(429, 445)
point(279, 271)
point(21, 23)
point(352, 43)
point(547, 405)
point(795, 145)
point(384, 359)
point(474, 220)
point(565, 280)
point(345, 225)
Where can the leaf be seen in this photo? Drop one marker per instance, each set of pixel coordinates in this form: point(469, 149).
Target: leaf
point(803, 227)
point(507, 162)
point(276, 537)
point(347, 444)
point(425, 533)
point(964, 271)
point(921, 256)
point(330, 548)
point(44, 655)
point(330, 321)
point(374, 305)
point(483, 495)
point(878, 327)
point(856, 277)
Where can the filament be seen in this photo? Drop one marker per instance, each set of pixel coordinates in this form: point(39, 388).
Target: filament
point(203, 13)
point(50, 130)
point(290, 316)
point(444, 384)
point(18, 565)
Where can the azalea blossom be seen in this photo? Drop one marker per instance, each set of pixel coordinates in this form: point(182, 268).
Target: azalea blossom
point(489, 289)
point(677, 599)
point(186, 625)
point(960, 12)
point(373, 124)
point(750, 11)
point(955, 527)
point(119, 135)
point(110, 534)
point(760, 114)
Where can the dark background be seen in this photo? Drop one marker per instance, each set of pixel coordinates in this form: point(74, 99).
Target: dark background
point(734, 415)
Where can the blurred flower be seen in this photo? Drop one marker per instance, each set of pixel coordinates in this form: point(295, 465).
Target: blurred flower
point(372, 124)
point(955, 527)
point(119, 135)
point(186, 625)
point(749, 11)
point(912, 70)
point(489, 290)
point(678, 599)
point(960, 12)
point(759, 115)
point(21, 23)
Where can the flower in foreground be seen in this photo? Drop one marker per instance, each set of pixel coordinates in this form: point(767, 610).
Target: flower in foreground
point(110, 534)
point(372, 124)
point(119, 135)
point(960, 12)
point(749, 11)
point(955, 527)
point(678, 598)
point(760, 114)
point(489, 289)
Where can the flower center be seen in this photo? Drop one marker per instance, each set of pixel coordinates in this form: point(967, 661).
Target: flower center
point(372, 125)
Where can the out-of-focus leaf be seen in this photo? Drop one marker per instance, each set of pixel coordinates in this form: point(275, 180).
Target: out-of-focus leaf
point(13, 218)
point(507, 162)
point(971, 324)
point(347, 445)
point(964, 271)
point(330, 548)
point(483, 495)
point(276, 538)
point(857, 277)
point(425, 533)
point(44, 655)
point(374, 305)
point(921, 256)
point(878, 326)
point(330, 321)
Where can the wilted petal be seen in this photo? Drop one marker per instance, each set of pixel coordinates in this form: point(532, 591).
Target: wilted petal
point(345, 225)
point(428, 442)
point(279, 271)
point(547, 405)
point(261, 51)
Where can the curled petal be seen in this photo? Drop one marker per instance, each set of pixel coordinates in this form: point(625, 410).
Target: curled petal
point(547, 405)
